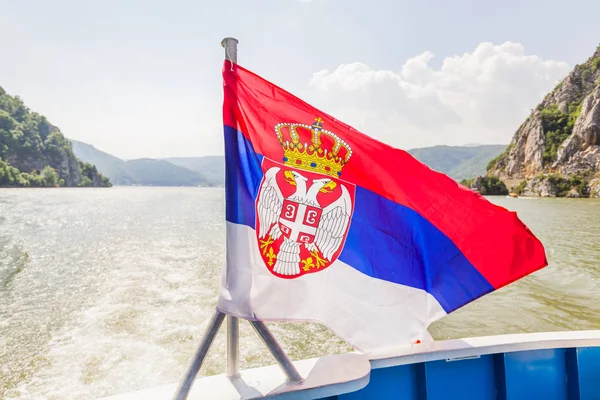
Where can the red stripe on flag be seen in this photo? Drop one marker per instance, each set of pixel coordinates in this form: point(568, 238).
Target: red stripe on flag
point(492, 238)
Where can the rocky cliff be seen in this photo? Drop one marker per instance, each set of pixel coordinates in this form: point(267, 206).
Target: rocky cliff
point(556, 151)
point(35, 153)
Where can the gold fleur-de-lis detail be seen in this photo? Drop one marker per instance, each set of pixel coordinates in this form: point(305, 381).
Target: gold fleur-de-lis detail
point(271, 255)
point(320, 262)
point(308, 264)
point(264, 244)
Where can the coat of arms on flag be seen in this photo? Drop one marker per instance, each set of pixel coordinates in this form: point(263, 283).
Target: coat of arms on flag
point(303, 208)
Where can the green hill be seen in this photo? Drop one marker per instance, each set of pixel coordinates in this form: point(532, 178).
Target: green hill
point(458, 162)
point(35, 153)
point(144, 172)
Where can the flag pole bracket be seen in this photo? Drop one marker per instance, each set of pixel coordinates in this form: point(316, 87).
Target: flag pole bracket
point(211, 332)
point(278, 353)
point(233, 339)
point(286, 365)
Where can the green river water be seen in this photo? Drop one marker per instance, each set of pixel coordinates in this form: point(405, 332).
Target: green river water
point(104, 291)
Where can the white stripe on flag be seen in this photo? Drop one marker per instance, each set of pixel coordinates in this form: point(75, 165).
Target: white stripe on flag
point(371, 314)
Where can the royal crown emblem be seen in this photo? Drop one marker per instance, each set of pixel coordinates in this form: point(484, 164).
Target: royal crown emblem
point(303, 208)
point(314, 157)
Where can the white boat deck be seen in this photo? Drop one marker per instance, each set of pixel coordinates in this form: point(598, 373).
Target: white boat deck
point(323, 377)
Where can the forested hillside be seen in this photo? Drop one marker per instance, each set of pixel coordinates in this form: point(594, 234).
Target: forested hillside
point(34, 153)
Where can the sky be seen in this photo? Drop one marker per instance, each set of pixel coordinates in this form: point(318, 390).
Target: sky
point(142, 78)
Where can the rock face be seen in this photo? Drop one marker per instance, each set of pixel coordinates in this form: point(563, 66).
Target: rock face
point(561, 138)
point(539, 187)
point(554, 185)
point(524, 157)
point(594, 187)
point(581, 151)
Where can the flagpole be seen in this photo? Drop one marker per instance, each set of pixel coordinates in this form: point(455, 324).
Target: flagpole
point(233, 360)
point(233, 353)
point(230, 45)
point(233, 347)
point(233, 339)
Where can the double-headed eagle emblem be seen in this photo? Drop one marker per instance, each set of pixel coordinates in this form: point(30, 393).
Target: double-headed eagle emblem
point(303, 208)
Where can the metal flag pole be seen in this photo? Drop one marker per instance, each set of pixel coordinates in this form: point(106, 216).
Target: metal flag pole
point(233, 349)
point(230, 45)
point(233, 339)
point(282, 359)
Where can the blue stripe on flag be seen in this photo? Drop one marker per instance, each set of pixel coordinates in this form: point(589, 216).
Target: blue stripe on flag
point(242, 178)
point(392, 242)
point(386, 240)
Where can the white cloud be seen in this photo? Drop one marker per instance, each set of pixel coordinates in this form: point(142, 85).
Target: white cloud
point(480, 97)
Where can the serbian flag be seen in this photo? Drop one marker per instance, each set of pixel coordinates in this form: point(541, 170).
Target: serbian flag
point(329, 225)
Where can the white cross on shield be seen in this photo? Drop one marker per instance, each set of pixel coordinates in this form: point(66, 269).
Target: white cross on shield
point(299, 222)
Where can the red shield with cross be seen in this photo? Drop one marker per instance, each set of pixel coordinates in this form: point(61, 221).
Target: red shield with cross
point(299, 222)
point(302, 219)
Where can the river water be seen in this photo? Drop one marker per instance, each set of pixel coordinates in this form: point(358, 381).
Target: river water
point(104, 291)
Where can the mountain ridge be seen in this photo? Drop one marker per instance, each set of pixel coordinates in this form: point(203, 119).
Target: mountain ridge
point(459, 162)
point(142, 171)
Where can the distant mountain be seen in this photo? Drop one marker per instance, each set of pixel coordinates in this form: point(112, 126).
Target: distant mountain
point(212, 168)
point(110, 166)
point(144, 172)
point(458, 162)
point(147, 171)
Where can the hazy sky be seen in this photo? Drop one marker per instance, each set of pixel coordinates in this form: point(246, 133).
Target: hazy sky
point(143, 78)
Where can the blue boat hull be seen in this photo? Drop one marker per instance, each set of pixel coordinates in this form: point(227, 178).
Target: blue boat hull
point(549, 374)
point(536, 366)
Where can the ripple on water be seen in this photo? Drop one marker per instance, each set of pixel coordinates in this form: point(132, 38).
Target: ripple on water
point(13, 258)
